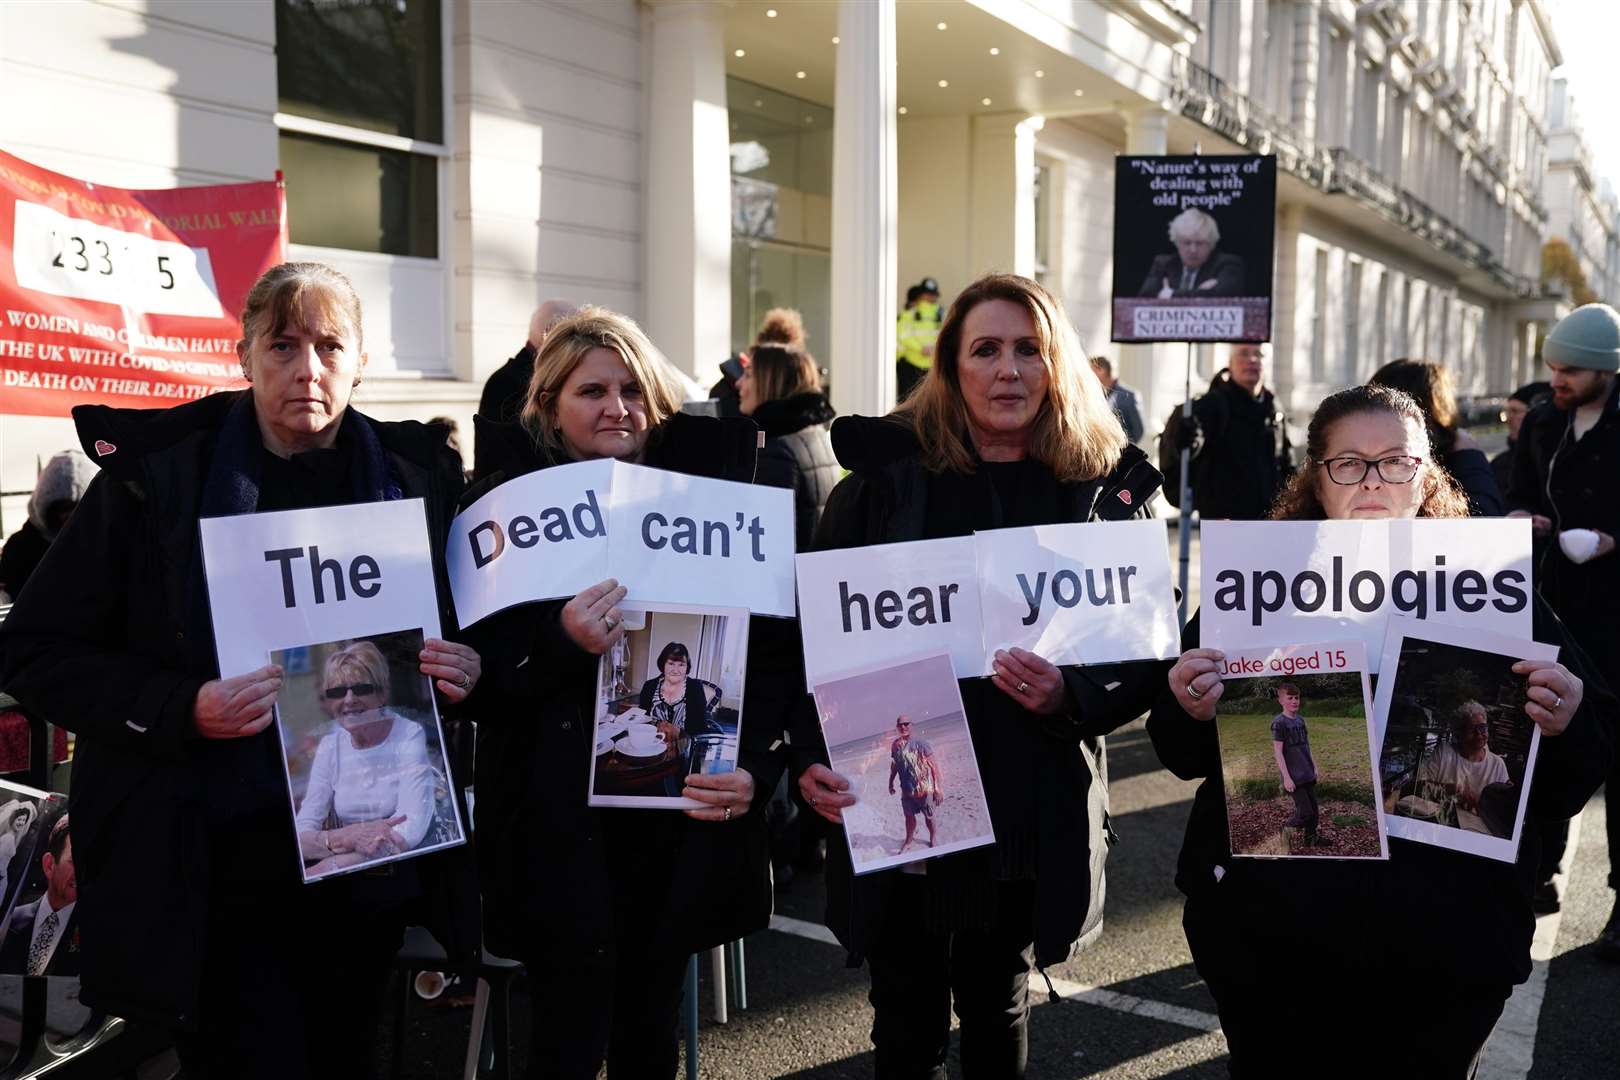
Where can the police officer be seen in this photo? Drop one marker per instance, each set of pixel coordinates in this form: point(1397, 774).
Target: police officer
point(917, 328)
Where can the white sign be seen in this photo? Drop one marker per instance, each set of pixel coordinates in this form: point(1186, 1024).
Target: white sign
point(537, 536)
point(1280, 582)
point(67, 256)
point(678, 539)
point(1089, 593)
point(864, 607)
point(293, 577)
point(667, 537)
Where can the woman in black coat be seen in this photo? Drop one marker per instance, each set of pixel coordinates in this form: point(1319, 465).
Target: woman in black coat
point(1009, 428)
point(606, 905)
point(1429, 384)
point(781, 392)
point(1396, 967)
point(191, 911)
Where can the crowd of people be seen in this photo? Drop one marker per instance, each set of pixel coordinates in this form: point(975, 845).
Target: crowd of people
point(193, 916)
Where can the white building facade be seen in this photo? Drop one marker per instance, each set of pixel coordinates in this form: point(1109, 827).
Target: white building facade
point(1581, 209)
point(695, 162)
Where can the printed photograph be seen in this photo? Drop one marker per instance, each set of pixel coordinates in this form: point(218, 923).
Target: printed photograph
point(898, 733)
point(40, 933)
point(364, 752)
point(1296, 761)
point(1458, 748)
point(669, 697)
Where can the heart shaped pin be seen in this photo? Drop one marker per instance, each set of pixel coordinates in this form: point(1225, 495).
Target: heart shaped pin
point(1124, 496)
point(103, 448)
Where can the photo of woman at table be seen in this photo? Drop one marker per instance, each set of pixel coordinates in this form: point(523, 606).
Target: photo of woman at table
point(674, 699)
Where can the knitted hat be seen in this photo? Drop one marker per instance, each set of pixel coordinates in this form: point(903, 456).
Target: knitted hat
point(1588, 337)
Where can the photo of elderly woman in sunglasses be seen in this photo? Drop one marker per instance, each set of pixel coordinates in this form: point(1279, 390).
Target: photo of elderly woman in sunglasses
point(372, 790)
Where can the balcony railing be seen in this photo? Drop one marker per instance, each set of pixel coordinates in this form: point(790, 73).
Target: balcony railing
point(1205, 98)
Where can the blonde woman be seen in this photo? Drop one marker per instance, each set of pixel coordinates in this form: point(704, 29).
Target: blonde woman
point(1010, 427)
point(606, 905)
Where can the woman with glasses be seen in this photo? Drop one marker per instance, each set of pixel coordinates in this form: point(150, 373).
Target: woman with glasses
point(371, 790)
point(1413, 958)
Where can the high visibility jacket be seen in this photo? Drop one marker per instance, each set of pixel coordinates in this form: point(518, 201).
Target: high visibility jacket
point(917, 329)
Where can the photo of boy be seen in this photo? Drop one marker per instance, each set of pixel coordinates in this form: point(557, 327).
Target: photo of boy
point(1291, 745)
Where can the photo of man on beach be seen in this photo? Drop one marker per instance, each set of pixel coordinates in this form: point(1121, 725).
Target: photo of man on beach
point(922, 787)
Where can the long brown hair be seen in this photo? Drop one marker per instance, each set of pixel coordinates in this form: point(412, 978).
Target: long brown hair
point(781, 371)
point(567, 343)
point(1300, 501)
point(1431, 387)
point(1075, 433)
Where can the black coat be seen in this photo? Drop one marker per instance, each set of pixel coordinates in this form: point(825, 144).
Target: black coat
point(798, 454)
point(1582, 492)
point(1226, 271)
point(111, 640)
point(1472, 471)
point(546, 859)
point(1426, 914)
point(1242, 456)
point(883, 501)
point(505, 393)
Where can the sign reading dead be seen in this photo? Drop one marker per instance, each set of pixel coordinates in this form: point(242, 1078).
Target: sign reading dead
point(127, 298)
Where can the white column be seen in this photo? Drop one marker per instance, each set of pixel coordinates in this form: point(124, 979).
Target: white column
point(1002, 230)
point(865, 210)
point(688, 187)
point(1157, 372)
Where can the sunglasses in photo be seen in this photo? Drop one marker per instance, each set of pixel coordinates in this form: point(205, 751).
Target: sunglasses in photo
point(361, 689)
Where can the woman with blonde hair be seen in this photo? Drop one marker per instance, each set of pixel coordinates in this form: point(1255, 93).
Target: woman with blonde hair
point(606, 905)
point(1010, 427)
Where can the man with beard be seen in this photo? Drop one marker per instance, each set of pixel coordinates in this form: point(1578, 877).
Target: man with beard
point(1564, 480)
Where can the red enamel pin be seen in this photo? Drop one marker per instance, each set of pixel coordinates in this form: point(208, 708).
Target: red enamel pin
point(103, 448)
point(1124, 495)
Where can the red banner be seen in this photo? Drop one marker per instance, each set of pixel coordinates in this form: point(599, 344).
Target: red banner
point(128, 298)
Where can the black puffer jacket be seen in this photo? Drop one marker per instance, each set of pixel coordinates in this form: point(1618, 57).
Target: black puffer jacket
point(798, 454)
point(547, 861)
point(885, 500)
point(111, 639)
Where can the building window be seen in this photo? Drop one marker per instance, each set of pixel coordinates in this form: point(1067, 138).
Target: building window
point(1319, 319)
point(361, 114)
point(1352, 325)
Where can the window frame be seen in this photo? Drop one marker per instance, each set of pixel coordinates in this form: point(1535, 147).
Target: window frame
point(443, 176)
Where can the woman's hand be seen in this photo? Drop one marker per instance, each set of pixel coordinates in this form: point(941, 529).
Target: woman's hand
point(728, 795)
point(368, 838)
point(1031, 681)
point(454, 668)
point(592, 620)
point(826, 792)
point(1195, 679)
point(236, 707)
point(1554, 694)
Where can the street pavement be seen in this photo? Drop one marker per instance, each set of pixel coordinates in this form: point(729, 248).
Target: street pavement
point(1132, 1006)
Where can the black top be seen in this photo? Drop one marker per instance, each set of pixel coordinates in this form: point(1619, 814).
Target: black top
point(20, 555)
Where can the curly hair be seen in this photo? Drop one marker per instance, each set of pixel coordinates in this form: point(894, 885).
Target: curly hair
point(1300, 501)
point(781, 326)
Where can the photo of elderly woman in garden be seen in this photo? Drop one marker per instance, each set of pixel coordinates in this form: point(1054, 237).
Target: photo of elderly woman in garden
point(364, 752)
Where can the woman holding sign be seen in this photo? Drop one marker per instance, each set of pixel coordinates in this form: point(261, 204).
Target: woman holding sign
point(1009, 428)
point(606, 905)
point(1405, 964)
point(190, 904)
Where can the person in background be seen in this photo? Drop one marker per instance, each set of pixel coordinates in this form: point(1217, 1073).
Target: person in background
point(781, 326)
point(1429, 384)
point(508, 385)
point(1565, 482)
point(453, 439)
point(194, 916)
point(1368, 926)
point(917, 331)
point(1238, 435)
point(1121, 397)
point(1518, 405)
point(781, 392)
point(57, 492)
point(1009, 428)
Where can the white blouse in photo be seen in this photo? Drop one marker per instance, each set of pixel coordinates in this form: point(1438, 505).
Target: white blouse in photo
point(391, 778)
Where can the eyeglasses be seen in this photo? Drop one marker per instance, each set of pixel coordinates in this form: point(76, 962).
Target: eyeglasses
point(360, 689)
point(1353, 470)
